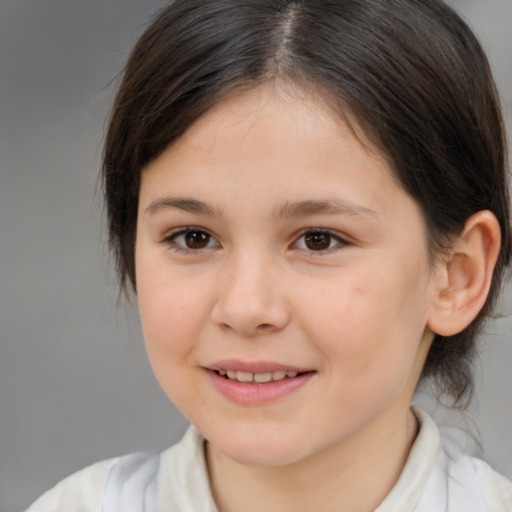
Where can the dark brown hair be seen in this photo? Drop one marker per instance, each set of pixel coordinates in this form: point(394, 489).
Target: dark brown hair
point(409, 73)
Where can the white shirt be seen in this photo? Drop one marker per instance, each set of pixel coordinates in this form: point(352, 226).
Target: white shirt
point(438, 477)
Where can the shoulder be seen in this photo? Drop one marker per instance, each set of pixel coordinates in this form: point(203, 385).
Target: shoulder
point(174, 480)
point(441, 475)
point(110, 486)
point(467, 473)
point(496, 488)
point(80, 492)
point(470, 483)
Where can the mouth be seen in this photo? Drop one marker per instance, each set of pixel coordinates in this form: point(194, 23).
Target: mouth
point(258, 378)
point(251, 384)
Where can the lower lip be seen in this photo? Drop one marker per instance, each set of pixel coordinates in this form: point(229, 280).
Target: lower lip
point(252, 393)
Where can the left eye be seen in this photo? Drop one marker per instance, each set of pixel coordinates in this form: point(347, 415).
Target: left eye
point(319, 241)
point(192, 239)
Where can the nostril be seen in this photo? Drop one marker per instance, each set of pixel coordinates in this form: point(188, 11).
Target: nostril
point(253, 315)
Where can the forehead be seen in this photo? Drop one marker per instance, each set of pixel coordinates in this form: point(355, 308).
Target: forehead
point(275, 135)
point(285, 105)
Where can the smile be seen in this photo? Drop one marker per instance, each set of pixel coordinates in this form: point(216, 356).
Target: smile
point(257, 384)
point(259, 378)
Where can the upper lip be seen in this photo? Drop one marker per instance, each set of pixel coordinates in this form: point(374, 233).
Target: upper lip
point(255, 366)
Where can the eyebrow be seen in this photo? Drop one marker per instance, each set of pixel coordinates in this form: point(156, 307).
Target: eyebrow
point(289, 209)
point(185, 204)
point(329, 206)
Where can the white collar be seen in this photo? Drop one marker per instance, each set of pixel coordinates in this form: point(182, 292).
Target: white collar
point(437, 476)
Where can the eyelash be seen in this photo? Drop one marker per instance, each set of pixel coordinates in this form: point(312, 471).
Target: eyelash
point(170, 240)
point(340, 241)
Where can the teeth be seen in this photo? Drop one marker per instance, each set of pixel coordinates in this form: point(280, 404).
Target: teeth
point(259, 378)
point(244, 376)
point(262, 377)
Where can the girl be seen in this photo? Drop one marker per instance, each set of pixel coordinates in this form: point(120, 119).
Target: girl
point(309, 199)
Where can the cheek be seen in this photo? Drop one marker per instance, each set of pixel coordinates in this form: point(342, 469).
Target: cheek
point(169, 314)
point(169, 310)
point(368, 323)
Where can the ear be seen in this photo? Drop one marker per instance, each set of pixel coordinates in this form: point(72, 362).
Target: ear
point(464, 277)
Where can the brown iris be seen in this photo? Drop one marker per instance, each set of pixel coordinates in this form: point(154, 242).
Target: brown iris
point(196, 239)
point(317, 241)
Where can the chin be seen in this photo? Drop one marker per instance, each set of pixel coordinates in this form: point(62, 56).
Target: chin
point(268, 449)
point(266, 456)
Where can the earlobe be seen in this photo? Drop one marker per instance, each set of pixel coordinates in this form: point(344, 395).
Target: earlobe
point(465, 276)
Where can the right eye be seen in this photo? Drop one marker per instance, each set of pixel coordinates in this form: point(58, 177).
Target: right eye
point(191, 239)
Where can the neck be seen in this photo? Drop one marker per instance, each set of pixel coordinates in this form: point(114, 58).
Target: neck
point(336, 479)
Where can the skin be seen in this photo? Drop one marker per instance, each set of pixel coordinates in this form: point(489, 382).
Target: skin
point(355, 314)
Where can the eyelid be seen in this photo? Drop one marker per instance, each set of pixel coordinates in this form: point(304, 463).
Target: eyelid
point(170, 237)
point(343, 241)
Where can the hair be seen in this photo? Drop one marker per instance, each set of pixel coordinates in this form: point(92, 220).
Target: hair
point(410, 75)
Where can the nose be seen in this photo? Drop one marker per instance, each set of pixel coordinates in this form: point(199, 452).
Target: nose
point(251, 299)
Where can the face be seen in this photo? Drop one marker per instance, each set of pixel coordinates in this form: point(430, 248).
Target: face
point(283, 280)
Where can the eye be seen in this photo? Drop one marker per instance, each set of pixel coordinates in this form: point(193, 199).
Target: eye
point(319, 240)
point(192, 239)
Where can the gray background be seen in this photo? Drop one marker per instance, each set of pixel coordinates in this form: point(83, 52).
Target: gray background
point(75, 386)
